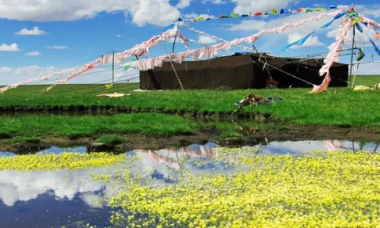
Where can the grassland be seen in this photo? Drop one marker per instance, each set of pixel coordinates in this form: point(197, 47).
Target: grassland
point(149, 124)
point(109, 129)
point(335, 107)
point(367, 80)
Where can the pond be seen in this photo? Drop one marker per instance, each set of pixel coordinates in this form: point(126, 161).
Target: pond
point(65, 198)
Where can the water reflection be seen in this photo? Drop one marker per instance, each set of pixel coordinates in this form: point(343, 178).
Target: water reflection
point(62, 198)
point(58, 150)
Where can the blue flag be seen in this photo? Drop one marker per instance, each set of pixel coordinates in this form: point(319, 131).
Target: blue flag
point(374, 46)
point(298, 42)
point(359, 27)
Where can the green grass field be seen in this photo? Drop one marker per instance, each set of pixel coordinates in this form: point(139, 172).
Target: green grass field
point(71, 88)
point(367, 80)
point(340, 106)
point(29, 128)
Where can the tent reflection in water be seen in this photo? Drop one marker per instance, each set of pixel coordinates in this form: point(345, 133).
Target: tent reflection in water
point(242, 71)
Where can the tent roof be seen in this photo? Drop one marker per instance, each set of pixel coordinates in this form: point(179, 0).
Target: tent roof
point(241, 59)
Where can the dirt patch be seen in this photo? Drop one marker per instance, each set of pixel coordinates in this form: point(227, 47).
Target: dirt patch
point(209, 134)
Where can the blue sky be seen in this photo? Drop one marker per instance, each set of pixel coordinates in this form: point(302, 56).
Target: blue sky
point(73, 32)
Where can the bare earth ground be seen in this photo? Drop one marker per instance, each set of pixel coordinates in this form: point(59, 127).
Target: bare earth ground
point(210, 134)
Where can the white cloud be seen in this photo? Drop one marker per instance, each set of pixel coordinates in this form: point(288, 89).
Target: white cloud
point(34, 70)
point(118, 36)
point(25, 186)
point(206, 40)
point(155, 12)
point(13, 47)
point(35, 31)
point(372, 10)
point(312, 41)
point(5, 69)
point(33, 53)
point(57, 47)
point(214, 1)
point(183, 3)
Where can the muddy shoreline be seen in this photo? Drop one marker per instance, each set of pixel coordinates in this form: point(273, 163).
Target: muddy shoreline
point(136, 141)
point(109, 110)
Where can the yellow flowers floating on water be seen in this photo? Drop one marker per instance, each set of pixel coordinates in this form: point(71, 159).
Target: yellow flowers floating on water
point(70, 161)
point(329, 189)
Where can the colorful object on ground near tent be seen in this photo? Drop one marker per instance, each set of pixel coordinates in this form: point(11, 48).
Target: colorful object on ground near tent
point(362, 87)
point(109, 86)
point(113, 95)
point(256, 100)
point(272, 82)
point(260, 13)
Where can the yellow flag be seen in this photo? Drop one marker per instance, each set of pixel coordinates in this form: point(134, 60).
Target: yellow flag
point(355, 21)
point(319, 9)
point(108, 86)
point(200, 18)
point(274, 11)
point(233, 15)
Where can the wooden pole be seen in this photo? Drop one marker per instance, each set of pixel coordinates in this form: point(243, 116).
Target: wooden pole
point(353, 82)
point(175, 72)
point(352, 53)
point(113, 70)
point(175, 38)
point(268, 72)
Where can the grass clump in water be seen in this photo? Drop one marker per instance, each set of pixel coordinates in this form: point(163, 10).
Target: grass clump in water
point(111, 139)
point(24, 140)
point(71, 161)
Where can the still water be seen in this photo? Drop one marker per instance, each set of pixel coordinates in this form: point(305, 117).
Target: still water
point(71, 198)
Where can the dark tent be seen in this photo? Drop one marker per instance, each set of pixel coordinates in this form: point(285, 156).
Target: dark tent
point(241, 71)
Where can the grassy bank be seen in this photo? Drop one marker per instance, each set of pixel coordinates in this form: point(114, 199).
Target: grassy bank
point(343, 107)
point(29, 128)
point(67, 126)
